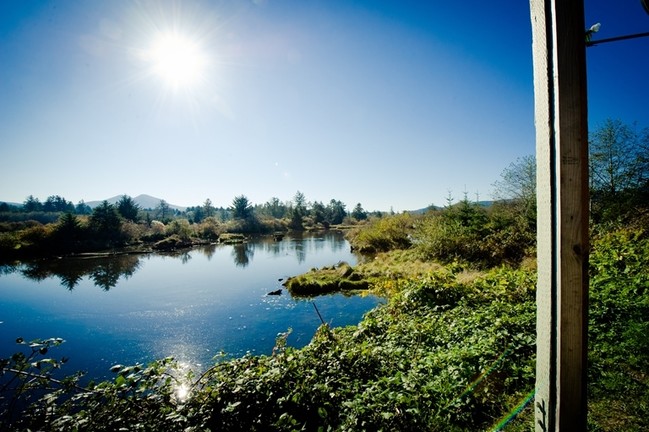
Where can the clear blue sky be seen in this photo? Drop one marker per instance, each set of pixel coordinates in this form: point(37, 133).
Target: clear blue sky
point(387, 103)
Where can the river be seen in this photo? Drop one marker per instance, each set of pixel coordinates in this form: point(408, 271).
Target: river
point(192, 305)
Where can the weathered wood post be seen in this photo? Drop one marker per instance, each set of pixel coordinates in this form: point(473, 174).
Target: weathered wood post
point(562, 198)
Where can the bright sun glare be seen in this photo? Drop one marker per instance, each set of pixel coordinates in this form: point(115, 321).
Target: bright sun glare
point(177, 60)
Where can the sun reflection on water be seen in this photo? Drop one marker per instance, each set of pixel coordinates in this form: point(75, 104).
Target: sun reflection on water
point(183, 375)
point(182, 392)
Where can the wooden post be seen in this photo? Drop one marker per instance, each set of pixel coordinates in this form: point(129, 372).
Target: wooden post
point(559, 50)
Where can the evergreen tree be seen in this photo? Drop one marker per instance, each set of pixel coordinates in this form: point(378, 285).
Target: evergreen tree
point(208, 209)
point(106, 223)
point(128, 209)
point(296, 219)
point(300, 202)
point(32, 204)
point(275, 208)
point(82, 208)
point(56, 203)
point(298, 211)
point(336, 212)
point(68, 232)
point(358, 213)
point(241, 207)
point(318, 212)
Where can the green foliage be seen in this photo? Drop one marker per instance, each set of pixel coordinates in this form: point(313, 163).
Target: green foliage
point(296, 221)
point(128, 209)
point(57, 203)
point(358, 213)
point(300, 202)
point(419, 363)
point(32, 204)
point(318, 212)
point(336, 212)
point(210, 229)
point(340, 277)
point(619, 171)
point(464, 232)
point(82, 208)
point(467, 232)
point(383, 234)
point(53, 204)
point(241, 208)
point(139, 398)
point(297, 212)
point(618, 327)
point(274, 208)
point(442, 240)
point(23, 375)
point(105, 224)
point(180, 228)
point(69, 233)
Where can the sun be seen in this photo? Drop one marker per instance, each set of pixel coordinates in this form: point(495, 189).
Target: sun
point(177, 60)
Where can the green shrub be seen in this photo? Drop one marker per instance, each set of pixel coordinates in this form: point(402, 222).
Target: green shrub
point(181, 229)
point(618, 328)
point(382, 234)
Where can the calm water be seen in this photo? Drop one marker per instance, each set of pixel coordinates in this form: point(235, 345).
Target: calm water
point(191, 306)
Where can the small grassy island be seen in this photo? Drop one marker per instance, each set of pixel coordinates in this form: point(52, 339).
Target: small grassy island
point(340, 277)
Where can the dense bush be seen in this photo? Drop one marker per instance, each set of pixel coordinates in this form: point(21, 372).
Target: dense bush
point(209, 229)
point(467, 232)
point(618, 369)
point(383, 234)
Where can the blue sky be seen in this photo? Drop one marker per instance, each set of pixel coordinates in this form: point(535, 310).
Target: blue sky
point(392, 104)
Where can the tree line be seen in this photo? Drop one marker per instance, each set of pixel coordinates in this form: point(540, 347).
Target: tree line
point(59, 227)
point(332, 213)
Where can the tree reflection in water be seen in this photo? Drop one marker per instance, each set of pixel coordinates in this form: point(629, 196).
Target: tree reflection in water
point(242, 253)
point(105, 272)
point(207, 250)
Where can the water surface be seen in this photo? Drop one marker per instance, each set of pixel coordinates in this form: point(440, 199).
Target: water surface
point(192, 305)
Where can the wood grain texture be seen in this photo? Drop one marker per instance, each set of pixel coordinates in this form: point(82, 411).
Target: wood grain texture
point(562, 200)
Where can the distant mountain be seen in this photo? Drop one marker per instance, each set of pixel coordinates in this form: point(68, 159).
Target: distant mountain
point(13, 204)
point(422, 210)
point(144, 201)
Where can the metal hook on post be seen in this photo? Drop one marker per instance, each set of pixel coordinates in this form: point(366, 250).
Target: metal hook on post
point(589, 43)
